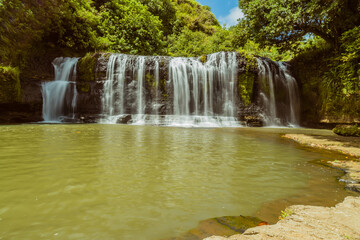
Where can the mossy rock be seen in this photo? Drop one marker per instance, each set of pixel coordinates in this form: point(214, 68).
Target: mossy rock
point(83, 87)
point(349, 131)
point(86, 68)
point(239, 223)
point(246, 86)
point(10, 88)
point(248, 60)
point(203, 58)
point(107, 55)
point(221, 226)
point(150, 79)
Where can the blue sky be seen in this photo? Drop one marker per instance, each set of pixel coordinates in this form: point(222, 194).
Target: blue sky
point(226, 11)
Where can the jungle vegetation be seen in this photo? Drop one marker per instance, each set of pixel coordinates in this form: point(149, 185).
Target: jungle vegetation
point(323, 33)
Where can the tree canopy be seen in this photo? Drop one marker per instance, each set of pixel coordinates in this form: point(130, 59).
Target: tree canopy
point(170, 27)
point(127, 26)
point(286, 22)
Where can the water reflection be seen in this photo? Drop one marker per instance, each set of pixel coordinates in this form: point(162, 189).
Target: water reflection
point(138, 182)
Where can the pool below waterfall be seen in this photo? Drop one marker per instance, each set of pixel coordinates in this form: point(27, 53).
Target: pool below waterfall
point(124, 182)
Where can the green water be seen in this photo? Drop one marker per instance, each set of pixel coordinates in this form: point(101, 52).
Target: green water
point(138, 182)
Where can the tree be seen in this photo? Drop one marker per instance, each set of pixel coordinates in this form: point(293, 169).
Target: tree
point(165, 10)
point(129, 27)
point(195, 17)
point(20, 26)
point(285, 22)
point(344, 73)
point(32, 24)
point(73, 25)
point(188, 43)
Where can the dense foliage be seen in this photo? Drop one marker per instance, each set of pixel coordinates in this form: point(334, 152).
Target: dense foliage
point(128, 26)
point(321, 36)
point(352, 131)
point(151, 27)
point(286, 22)
point(345, 67)
point(10, 90)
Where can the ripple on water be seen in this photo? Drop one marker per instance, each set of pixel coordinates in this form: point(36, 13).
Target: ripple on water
point(109, 181)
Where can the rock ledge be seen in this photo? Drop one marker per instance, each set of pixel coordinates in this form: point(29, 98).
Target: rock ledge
point(310, 222)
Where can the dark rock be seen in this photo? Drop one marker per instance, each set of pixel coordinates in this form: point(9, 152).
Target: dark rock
point(88, 119)
point(20, 113)
point(124, 119)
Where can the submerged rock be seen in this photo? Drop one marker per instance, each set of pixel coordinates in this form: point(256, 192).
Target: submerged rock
point(352, 173)
point(310, 222)
point(339, 144)
point(224, 226)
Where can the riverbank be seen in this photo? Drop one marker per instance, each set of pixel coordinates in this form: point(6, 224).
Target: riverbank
point(349, 146)
point(310, 222)
point(314, 222)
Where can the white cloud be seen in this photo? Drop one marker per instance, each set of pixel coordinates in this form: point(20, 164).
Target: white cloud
point(231, 19)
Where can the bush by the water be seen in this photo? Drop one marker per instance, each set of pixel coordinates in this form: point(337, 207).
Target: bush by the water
point(353, 131)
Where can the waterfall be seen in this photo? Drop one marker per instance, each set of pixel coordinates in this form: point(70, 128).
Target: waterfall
point(139, 70)
point(122, 97)
point(178, 74)
point(188, 92)
point(267, 75)
point(59, 98)
point(279, 94)
point(114, 86)
point(224, 71)
point(294, 98)
point(156, 104)
point(194, 94)
point(204, 94)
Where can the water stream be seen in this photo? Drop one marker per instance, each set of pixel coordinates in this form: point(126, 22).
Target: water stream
point(59, 96)
point(280, 94)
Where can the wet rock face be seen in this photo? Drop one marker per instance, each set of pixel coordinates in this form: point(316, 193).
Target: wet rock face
point(220, 85)
point(20, 113)
point(28, 107)
point(89, 103)
point(90, 99)
point(159, 92)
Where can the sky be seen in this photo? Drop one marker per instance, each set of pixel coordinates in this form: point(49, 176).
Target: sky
point(226, 11)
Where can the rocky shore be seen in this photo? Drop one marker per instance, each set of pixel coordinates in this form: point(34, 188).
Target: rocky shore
point(310, 222)
point(313, 222)
point(349, 146)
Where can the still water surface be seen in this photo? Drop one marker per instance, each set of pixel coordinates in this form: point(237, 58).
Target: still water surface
point(139, 182)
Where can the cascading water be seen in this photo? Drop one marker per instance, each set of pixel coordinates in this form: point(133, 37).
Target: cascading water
point(223, 72)
point(139, 71)
point(204, 94)
point(59, 96)
point(114, 86)
point(195, 94)
point(279, 94)
point(156, 103)
point(187, 92)
point(121, 96)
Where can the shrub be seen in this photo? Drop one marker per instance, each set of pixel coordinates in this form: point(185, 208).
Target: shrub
point(353, 131)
